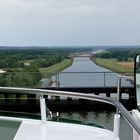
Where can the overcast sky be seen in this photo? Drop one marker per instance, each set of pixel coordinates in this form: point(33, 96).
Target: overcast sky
point(69, 22)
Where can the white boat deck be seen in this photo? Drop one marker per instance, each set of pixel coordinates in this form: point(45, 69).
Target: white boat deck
point(35, 130)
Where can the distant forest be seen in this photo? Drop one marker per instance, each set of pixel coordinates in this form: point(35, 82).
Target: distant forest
point(121, 54)
point(22, 64)
point(41, 57)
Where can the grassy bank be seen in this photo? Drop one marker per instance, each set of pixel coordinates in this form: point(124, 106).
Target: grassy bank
point(113, 65)
point(57, 67)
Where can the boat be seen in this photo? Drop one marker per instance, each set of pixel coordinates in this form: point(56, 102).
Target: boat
point(46, 129)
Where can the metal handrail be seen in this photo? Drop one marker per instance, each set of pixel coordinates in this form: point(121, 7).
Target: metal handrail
point(107, 100)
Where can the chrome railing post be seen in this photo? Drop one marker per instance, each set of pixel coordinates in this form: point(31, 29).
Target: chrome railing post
point(104, 80)
point(43, 110)
point(118, 91)
point(117, 115)
point(57, 80)
point(116, 125)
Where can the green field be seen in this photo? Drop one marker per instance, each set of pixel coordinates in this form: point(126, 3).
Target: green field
point(57, 67)
point(113, 65)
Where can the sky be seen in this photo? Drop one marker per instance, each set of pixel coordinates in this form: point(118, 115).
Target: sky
point(69, 22)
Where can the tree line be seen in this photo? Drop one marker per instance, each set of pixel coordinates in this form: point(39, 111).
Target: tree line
point(19, 74)
point(26, 77)
point(120, 54)
point(43, 57)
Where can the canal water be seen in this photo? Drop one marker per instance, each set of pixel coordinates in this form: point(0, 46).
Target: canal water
point(83, 72)
point(104, 119)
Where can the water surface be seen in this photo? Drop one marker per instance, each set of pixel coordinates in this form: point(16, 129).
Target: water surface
point(85, 73)
point(104, 119)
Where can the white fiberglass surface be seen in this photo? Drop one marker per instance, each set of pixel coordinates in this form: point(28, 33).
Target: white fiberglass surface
point(60, 131)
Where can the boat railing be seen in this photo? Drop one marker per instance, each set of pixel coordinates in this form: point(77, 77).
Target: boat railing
point(41, 92)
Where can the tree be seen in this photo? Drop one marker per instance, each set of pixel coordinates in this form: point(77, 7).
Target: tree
point(119, 58)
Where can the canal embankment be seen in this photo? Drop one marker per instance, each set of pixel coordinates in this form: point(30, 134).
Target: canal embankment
point(57, 67)
point(126, 68)
point(50, 71)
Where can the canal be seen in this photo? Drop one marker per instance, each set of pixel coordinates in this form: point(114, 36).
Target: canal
point(84, 73)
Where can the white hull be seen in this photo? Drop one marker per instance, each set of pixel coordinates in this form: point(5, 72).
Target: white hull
point(35, 130)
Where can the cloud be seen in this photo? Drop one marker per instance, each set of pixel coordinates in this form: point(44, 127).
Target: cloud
point(94, 8)
point(70, 21)
point(55, 7)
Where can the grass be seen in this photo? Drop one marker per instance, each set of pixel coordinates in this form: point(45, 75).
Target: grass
point(113, 65)
point(57, 67)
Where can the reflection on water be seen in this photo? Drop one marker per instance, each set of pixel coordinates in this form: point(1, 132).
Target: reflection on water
point(104, 119)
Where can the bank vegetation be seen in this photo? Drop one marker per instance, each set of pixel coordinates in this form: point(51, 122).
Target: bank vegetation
point(117, 60)
point(26, 66)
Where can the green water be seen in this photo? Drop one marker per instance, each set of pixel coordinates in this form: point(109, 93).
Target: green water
point(104, 119)
point(8, 129)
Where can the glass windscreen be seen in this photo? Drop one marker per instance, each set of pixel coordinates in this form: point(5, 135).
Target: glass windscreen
point(137, 74)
